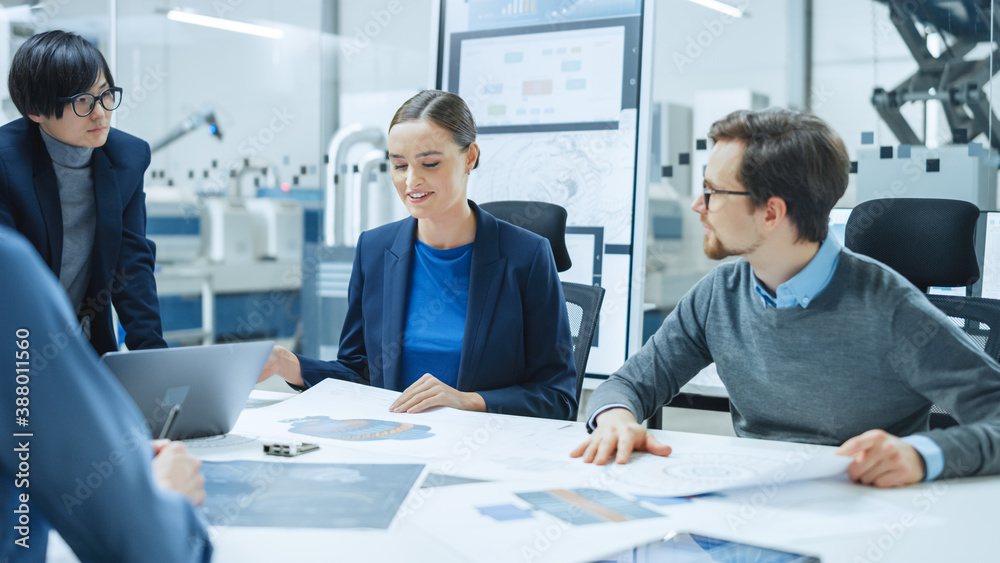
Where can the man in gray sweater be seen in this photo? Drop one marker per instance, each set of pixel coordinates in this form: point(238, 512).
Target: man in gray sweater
point(813, 342)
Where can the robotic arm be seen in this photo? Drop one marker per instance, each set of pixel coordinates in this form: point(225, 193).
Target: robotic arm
point(205, 116)
point(950, 78)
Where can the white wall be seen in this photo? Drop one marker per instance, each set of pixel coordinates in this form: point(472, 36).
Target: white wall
point(386, 54)
point(265, 92)
point(700, 49)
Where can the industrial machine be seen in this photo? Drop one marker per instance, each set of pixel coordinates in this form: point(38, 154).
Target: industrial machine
point(944, 37)
point(229, 262)
point(357, 197)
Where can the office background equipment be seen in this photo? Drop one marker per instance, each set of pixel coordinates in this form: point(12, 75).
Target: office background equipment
point(562, 100)
point(954, 79)
point(966, 172)
point(202, 117)
point(952, 76)
point(357, 196)
point(838, 222)
point(988, 242)
point(210, 384)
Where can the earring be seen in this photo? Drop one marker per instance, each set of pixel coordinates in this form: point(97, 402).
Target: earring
point(468, 172)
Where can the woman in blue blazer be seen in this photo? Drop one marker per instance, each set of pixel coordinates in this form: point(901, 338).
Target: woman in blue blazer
point(73, 187)
point(451, 306)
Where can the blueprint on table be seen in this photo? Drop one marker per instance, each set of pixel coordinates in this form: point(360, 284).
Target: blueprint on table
point(306, 495)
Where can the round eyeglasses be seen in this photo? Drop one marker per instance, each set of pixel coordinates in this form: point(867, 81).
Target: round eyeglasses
point(83, 104)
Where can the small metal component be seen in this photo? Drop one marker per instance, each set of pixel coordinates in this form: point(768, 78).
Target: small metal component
point(289, 450)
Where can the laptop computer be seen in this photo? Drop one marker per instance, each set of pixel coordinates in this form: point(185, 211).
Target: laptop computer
point(210, 383)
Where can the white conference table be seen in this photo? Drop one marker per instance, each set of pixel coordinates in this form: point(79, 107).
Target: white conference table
point(830, 518)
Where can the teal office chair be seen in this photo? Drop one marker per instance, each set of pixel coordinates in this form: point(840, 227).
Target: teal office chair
point(930, 242)
point(583, 302)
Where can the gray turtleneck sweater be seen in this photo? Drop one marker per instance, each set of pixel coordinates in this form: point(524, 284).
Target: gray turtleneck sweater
point(79, 214)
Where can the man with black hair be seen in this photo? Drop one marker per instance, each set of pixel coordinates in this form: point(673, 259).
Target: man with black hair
point(73, 187)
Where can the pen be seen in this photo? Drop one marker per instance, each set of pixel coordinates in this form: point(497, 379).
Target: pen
point(171, 419)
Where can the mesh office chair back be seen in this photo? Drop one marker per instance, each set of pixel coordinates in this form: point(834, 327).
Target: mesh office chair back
point(583, 303)
point(979, 319)
point(930, 242)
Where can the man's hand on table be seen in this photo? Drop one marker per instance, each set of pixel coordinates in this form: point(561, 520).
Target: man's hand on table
point(882, 460)
point(617, 430)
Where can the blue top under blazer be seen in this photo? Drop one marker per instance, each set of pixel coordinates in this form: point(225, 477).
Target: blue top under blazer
point(123, 258)
point(517, 350)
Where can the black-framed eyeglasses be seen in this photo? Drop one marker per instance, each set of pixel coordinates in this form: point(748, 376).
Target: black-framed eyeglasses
point(710, 191)
point(83, 104)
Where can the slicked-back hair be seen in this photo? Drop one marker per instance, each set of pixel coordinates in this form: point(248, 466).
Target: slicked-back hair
point(444, 109)
point(52, 65)
point(791, 155)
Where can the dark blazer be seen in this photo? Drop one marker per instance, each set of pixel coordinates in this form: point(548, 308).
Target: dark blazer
point(517, 351)
point(84, 423)
point(123, 258)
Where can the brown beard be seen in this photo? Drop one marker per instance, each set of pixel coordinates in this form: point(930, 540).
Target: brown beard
point(717, 251)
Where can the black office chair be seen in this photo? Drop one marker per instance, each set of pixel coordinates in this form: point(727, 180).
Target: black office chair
point(930, 242)
point(583, 302)
point(545, 219)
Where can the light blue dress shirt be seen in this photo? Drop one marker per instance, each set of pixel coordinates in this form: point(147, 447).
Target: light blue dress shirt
point(802, 289)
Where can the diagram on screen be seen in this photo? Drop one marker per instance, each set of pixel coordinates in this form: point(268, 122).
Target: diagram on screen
point(587, 172)
point(560, 77)
point(357, 429)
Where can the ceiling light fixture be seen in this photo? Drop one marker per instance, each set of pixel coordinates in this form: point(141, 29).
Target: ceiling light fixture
point(720, 7)
point(228, 25)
